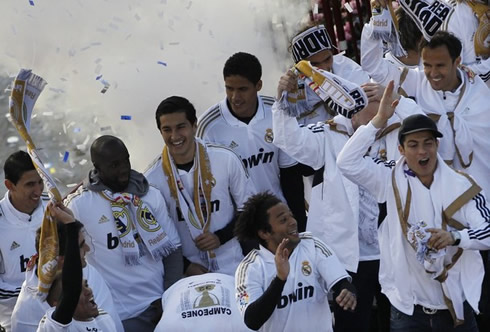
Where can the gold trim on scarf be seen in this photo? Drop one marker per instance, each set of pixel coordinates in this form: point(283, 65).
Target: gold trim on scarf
point(203, 183)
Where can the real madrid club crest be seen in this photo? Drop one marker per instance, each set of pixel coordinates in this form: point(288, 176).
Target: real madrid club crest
point(306, 268)
point(269, 136)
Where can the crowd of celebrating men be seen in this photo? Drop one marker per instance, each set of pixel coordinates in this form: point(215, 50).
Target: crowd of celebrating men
point(280, 213)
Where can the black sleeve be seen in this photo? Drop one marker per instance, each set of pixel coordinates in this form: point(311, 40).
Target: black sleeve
point(293, 189)
point(226, 233)
point(174, 267)
point(258, 312)
point(71, 277)
point(343, 284)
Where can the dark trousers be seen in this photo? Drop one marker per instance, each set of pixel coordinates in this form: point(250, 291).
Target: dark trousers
point(367, 287)
point(440, 321)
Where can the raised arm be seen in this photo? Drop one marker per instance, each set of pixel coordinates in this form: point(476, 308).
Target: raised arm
point(372, 174)
point(300, 143)
point(71, 275)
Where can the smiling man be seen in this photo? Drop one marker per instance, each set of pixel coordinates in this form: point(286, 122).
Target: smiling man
point(437, 220)
point(21, 213)
point(131, 233)
point(204, 185)
point(454, 97)
point(283, 286)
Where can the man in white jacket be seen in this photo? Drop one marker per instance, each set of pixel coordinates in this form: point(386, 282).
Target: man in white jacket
point(437, 219)
point(456, 99)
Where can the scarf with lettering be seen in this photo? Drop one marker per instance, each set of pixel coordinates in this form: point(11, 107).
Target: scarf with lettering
point(139, 232)
point(385, 27)
point(428, 15)
point(195, 209)
point(310, 42)
point(26, 89)
point(342, 96)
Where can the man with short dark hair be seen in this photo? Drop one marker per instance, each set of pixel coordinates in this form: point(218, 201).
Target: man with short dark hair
point(455, 98)
point(131, 232)
point(204, 185)
point(283, 286)
point(437, 220)
point(243, 122)
point(21, 213)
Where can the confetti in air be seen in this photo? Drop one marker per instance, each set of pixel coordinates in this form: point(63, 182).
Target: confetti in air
point(125, 117)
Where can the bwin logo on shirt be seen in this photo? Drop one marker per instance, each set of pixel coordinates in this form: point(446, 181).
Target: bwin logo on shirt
point(299, 294)
point(256, 159)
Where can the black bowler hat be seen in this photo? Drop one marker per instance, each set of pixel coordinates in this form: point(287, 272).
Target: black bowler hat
point(415, 123)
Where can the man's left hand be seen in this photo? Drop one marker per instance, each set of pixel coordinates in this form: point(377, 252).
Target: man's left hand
point(439, 239)
point(207, 241)
point(346, 300)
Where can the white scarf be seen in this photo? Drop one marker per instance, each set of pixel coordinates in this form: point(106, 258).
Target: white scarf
point(138, 229)
point(438, 265)
point(385, 27)
point(428, 15)
point(342, 96)
point(198, 220)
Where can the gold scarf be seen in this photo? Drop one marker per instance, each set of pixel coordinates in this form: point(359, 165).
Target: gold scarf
point(199, 215)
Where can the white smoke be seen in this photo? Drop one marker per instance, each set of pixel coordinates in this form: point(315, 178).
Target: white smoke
point(145, 52)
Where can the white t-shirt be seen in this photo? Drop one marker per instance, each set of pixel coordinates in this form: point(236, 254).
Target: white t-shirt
point(18, 234)
point(314, 269)
point(133, 288)
point(252, 142)
point(232, 188)
point(30, 307)
point(102, 323)
point(201, 303)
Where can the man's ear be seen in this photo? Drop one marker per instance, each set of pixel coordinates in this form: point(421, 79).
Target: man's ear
point(401, 150)
point(264, 235)
point(9, 184)
point(258, 86)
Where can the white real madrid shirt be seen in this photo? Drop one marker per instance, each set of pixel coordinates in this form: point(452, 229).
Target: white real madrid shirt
point(314, 270)
point(204, 303)
point(17, 238)
point(133, 288)
point(232, 188)
point(102, 323)
point(252, 142)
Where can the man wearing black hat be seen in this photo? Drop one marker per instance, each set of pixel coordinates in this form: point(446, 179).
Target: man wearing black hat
point(437, 219)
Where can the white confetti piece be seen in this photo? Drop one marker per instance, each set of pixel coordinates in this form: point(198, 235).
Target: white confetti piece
point(12, 139)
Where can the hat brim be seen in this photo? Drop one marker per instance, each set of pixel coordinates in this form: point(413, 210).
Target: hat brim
point(435, 132)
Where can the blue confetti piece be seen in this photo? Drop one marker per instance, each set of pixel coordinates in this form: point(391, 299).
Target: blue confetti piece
point(31, 2)
point(76, 130)
point(65, 157)
point(125, 117)
point(162, 63)
point(98, 77)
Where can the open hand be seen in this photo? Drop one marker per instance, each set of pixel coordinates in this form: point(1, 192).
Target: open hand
point(282, 260)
